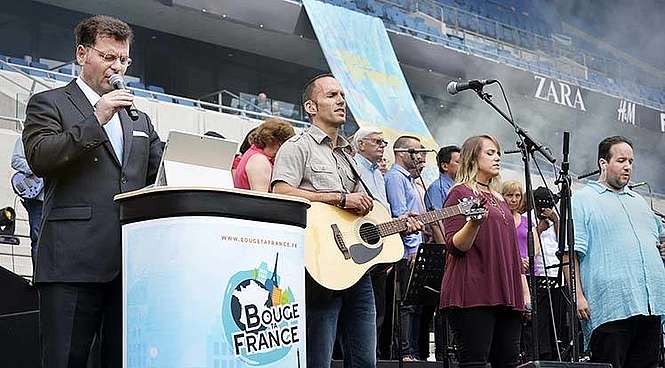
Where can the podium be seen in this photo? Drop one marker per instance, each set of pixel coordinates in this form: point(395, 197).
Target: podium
point(212, 278)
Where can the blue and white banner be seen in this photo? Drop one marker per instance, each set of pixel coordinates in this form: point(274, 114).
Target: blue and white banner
point(213, 292)
point(362, 59)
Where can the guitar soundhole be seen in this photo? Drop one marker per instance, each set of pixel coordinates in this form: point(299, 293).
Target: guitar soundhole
point(369, 233)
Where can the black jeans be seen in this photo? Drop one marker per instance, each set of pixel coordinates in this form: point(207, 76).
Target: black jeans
point(409, 315)
point(379, 278)
point(486, 335)
point(632, 343)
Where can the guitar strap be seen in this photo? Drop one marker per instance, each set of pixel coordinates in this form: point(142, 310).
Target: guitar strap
point(357, 175)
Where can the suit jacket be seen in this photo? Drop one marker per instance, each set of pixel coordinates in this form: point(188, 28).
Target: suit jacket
point(80, 238)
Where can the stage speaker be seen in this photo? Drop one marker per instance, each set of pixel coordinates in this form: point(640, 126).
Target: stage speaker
point(19, 322)
point(545, 364)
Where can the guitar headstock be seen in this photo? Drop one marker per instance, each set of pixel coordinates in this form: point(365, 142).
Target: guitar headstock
point(472, 208)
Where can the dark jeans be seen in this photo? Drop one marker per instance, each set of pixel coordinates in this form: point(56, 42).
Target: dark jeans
point(353, 311)
point(72, 314)
point(440, 336)
point(379, 278)
point(486, 335)
point(409, 315)
point(386, 340)
point(630, 343)
point(34, 209)
point(426, 326)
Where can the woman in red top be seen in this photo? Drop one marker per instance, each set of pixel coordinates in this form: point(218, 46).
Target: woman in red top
point(482, 289)
point(255, 166)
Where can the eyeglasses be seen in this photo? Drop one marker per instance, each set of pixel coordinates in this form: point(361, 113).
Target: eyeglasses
point(377, 141)
point(110, 57)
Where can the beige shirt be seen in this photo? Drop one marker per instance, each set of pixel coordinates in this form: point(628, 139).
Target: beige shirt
point(309, 161)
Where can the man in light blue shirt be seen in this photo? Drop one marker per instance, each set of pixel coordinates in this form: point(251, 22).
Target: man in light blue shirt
point(369, 145)
point(404, 198)
point(447, 159)
point(448, 162)
point(620, 291)
point(32, 205)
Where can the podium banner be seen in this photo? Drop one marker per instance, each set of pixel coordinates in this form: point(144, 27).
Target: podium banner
point(213, 292)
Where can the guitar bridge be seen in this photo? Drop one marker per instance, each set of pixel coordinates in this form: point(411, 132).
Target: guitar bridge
point(339, 239)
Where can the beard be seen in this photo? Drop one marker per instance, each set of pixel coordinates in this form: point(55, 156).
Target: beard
point(616, 183)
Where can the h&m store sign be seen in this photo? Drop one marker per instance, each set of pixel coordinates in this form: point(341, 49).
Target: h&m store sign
point(581, 100)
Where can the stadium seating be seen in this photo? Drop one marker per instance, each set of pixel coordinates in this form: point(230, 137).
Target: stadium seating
point(526, 24)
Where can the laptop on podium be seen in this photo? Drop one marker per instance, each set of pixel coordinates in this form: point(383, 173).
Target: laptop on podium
point(191, 159)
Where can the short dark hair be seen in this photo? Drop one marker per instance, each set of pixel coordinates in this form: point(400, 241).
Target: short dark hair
point(89, 29)
point(309, 86)
point(445, 155)
point(401, 141)
point(606, 144)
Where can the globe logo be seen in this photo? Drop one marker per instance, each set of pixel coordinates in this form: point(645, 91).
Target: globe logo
point(260, 316)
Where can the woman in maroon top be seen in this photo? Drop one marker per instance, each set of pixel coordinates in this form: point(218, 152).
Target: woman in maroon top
point(482, 289)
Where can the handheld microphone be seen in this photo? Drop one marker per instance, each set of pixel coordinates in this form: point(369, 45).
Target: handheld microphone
point(590, 173)
point(454, 87)
point(118, 83)
point(413, 150)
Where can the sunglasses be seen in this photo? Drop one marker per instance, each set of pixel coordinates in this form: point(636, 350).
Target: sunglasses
point(377, 141)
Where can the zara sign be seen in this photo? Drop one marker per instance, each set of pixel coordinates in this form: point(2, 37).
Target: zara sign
point(560, 93)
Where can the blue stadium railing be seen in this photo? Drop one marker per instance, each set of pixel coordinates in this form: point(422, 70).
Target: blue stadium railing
point(283, 110)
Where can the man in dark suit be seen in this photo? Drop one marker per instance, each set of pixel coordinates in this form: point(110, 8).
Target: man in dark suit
point(80, 139)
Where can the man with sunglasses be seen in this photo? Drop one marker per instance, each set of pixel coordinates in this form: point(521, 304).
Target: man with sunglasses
point(80, 139)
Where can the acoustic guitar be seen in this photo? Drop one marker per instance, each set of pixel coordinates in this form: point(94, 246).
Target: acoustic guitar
point(341, 247)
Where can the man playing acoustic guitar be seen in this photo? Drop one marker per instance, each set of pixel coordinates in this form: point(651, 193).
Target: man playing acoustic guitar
point(316, 165)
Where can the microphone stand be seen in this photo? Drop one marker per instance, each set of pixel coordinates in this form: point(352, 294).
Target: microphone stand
point(567, 238)
point(527, 146)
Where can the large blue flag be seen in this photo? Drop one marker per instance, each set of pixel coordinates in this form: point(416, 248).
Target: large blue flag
point(362, 59)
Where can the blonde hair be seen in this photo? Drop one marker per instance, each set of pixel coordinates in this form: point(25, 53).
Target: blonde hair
point(468, 168)
point(512, 186)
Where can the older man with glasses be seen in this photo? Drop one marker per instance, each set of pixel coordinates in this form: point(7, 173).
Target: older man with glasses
point(369, 145)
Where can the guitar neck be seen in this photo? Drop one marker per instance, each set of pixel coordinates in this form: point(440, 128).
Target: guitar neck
point(399, 225)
